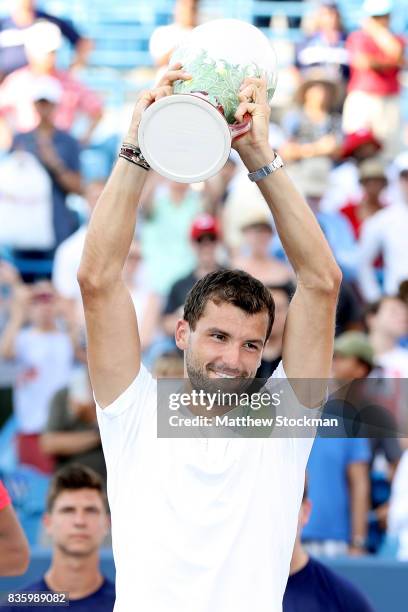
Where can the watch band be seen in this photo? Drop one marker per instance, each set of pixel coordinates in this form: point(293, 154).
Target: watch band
point(265, 170)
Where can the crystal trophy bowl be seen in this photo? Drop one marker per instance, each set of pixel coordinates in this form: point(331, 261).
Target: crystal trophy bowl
point(187, 137)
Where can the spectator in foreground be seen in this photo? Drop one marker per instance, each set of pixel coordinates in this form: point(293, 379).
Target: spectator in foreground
point(312, 586)
point(71, 434)
point(386, 233)
point(77, 522)
point(376, 58)
point(14, 551)
point(205, 235)
point(44, 356)
point(13, 27)
point(57, 151)
point(76, 100)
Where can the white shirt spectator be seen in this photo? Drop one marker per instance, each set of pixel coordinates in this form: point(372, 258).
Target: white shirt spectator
point(394, 362)
point(66, 263)
point(209, 523)
point(398, 512)
point(45, 361)
point(385, 232)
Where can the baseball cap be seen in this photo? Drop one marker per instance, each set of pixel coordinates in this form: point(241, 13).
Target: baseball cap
point(42, 37)
point(204, 224)
point(376, 8)
point(46, 88)
point(355, 344)
point(254, 217)
point(372, 169)
point(357, 139)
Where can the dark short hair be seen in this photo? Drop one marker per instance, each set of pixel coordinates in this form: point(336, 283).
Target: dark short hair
point(74, 477)
point(230, 287)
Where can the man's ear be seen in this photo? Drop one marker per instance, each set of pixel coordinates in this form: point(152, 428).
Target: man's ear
point(182, 334)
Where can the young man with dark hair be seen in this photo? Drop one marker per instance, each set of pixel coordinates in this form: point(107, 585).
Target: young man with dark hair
point(77, 522)
point(206, 524)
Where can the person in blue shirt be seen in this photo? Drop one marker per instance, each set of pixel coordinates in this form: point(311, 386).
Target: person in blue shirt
point(77, 522)
point(339, 490)
point(312, 586)
point(12, 35)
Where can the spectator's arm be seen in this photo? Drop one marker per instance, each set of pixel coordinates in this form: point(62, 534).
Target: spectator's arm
point(370, 247)
point(69, 443)
point(388, 42)
point(357, 473)
point(83, 48)
point(14, 550)
point(18, 315)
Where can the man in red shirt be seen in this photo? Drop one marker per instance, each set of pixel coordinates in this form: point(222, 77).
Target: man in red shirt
point(376, 58)
point(14, 551)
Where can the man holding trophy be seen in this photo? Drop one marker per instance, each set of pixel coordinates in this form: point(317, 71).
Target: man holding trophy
point(203, 525)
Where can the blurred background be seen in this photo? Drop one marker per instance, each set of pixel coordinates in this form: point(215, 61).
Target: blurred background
point(70, 72)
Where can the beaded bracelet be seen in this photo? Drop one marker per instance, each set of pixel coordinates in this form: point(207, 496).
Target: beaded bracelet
point(133, 154)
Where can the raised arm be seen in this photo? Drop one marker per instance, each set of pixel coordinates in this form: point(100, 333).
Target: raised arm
point(14, 551)
point(113, 337)
point(309, 331)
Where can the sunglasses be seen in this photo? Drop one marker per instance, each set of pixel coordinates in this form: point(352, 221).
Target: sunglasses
point(206, 238)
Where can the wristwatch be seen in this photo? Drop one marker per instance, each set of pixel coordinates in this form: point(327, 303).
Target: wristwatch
point(265, 170)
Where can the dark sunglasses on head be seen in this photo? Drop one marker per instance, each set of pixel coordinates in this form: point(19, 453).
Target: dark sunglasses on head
point(206, 238)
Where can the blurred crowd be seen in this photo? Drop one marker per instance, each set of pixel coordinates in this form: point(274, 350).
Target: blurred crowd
point(344, 142)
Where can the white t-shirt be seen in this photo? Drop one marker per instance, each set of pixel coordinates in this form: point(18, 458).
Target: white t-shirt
point(198, 525)
point(394, 362)
point(44, 361)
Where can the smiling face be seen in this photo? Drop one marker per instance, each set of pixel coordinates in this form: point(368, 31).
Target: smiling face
point(77, 522)
point(226, 343)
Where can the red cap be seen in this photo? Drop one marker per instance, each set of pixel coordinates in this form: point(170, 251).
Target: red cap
point(356, 139)
point(204, 224)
